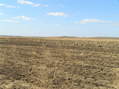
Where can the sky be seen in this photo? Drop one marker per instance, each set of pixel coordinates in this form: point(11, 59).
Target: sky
point(82, 18)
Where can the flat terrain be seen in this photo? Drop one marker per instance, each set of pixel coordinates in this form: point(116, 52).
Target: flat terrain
point(59, 63)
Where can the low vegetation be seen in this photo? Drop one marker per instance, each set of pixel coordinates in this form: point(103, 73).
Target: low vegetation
point(59, 63)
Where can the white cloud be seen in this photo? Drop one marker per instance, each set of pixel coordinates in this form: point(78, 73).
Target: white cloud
point(56, 14)
point(85, 21)
point(7, 6)
point(9, 21)
point(1, 13)
point(115, 24)
point(16, 19)
point(26, 2)
point(25, 18)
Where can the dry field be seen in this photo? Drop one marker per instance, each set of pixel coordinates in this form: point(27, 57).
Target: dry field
point(59, 63)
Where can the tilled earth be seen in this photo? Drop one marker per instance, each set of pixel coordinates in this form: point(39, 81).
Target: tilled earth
point(37, 63)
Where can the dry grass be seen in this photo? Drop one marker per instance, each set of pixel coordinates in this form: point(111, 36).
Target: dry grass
point(59, 63)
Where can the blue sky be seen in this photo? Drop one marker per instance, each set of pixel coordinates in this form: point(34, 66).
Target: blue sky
point(85, 18)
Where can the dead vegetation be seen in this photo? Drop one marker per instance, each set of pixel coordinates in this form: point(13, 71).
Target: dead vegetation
point(41, 63)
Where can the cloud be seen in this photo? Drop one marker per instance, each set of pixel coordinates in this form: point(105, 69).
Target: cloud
point(7, 6)
point(56, 14)
point(85, 21)
point(16, 19)
point(26, 2)
point(115, 24)
point(25, 18)
point(9, 21)
point(1, 13)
